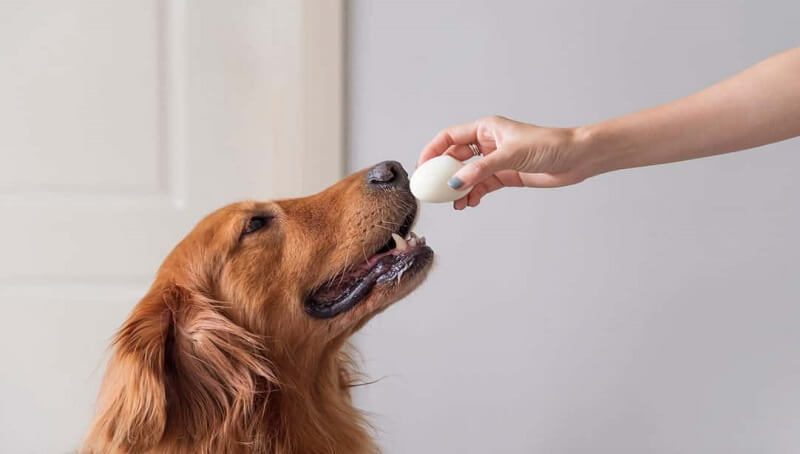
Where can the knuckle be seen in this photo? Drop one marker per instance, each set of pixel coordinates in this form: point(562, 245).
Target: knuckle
point(444, 136)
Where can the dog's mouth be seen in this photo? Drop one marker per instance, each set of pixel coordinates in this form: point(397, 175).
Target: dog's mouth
point(402, 256)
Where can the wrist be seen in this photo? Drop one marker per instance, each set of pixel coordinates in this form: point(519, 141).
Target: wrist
point(601, 148)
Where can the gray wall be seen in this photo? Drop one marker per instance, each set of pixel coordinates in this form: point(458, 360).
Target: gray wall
point(646, 311)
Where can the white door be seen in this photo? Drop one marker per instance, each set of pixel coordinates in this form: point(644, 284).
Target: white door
point(121, 123)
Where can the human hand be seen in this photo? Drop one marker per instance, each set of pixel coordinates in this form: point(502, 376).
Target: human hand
point(515, 154)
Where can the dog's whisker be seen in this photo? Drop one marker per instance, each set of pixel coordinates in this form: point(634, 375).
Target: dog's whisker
point(364, 251)
point(346, 267)
point(366, 383)
point(398, 224)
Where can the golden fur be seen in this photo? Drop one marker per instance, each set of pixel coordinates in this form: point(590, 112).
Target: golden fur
point(220, 357)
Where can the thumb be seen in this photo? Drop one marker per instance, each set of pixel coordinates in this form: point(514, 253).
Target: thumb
point(480, 169)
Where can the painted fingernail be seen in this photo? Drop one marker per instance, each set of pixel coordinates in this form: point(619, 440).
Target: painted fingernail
point(455, 183)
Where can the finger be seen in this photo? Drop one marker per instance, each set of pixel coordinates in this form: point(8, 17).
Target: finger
point(461, 203)
point(493, 183)
point(455, 135)
point(475, 195)
point(464, 152)
point(483, 188)
point(476, 171)
point(509, 178)
point(460, 152)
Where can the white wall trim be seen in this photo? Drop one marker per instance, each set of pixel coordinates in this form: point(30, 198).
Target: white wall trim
point(309, 153)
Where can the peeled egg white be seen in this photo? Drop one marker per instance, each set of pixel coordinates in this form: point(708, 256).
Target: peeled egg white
point(429, 181)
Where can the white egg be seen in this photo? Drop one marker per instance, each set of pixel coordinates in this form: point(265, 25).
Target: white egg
point(429, 182)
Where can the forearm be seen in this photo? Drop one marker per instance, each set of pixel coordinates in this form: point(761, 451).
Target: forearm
point(757, 106)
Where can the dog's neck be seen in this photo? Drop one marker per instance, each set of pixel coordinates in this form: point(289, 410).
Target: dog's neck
point(317, 405)
point(315, 402)
point(309, 410)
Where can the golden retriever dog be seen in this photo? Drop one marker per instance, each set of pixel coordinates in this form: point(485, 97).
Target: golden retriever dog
point(240, 345)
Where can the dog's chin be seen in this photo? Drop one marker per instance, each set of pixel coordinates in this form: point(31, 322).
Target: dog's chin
point(383, 296)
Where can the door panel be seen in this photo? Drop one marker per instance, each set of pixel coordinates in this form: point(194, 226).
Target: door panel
point(123, 123)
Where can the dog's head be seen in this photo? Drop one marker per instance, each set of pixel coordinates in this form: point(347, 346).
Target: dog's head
point(306, 271)
point(258, 295)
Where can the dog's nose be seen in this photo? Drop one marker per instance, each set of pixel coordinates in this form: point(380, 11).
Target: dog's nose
point(387, 174)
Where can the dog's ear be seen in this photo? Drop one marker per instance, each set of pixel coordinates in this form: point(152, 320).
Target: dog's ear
point(222, 376)
point(132, 406)
point(178, 361)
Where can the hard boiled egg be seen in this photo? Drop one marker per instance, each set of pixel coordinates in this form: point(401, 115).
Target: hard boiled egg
point(429, 182)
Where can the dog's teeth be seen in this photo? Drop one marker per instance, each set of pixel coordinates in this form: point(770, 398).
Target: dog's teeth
point(400, 243)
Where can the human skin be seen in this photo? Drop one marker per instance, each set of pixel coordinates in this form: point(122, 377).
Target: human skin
point(757, 106)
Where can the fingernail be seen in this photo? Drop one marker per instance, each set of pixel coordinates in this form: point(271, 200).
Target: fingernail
point(455, 183)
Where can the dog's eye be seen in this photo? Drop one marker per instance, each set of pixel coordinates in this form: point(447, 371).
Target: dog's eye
point(256, 223)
